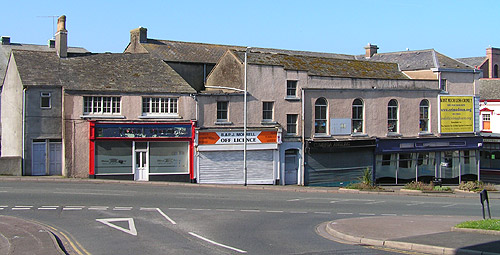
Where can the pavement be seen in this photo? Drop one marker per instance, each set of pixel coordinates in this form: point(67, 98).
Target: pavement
point(424, 234)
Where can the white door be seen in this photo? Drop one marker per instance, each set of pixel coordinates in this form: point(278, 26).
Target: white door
point(291, 167)
point(55, 159)
point(141, 166)
point(38, 164)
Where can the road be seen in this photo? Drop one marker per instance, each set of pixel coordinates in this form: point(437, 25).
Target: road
point(131, 218)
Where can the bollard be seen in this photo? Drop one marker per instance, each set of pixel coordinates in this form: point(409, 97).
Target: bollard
point(483, 195)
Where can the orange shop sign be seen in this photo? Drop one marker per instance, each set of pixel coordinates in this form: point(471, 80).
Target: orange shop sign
point(237, 137)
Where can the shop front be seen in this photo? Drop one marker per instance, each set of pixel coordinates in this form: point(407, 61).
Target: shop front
point(337, 163)
point(450, 159)
point(220, 157)
point(490, 159)
point(142, 151)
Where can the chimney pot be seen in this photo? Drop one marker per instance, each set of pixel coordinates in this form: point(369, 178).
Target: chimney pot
point(371, 49)
point(5, 40)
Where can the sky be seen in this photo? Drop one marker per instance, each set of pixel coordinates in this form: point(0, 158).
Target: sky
point(456, 28)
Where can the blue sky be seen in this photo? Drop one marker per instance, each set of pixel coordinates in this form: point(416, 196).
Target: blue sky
point(456, 28)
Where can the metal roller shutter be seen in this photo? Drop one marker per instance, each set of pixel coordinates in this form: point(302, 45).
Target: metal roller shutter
point(227, 167)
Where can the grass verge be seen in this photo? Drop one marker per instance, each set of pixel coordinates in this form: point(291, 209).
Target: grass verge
point(488, 224)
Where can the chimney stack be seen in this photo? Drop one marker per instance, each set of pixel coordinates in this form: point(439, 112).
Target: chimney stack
point(371, 49)
point(62, 37)
point(5, 40)
point(139, 35)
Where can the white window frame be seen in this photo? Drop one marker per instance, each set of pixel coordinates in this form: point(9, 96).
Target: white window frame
point(266, 111)
point(160, 106)
point(289, 85)
point(102, 105)
point(44, 95)
point(226, 111)
point(290, 124)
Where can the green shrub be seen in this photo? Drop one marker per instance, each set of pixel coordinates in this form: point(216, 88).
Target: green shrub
point(425, 186)
point(476, 186)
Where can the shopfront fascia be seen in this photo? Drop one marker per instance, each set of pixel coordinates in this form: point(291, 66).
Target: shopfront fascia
point(220, 159)
point(337, 163)
point(490, 158)
point(142, 151)
point(451, 159)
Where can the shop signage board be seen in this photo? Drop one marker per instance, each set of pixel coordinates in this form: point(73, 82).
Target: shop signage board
point(142, 131)
point(237, 137)
point(457, 114)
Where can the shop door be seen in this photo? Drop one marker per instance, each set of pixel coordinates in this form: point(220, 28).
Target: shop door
point(38, 165)
point(55, 162)
point(141, 166)
point(291, 167)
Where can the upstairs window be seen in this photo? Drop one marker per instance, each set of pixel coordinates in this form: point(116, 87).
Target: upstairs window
point(357, 116)
point(291, 89)
point(442, 84)
point(320, 114)
point(495, 71)
point(222, 111)
point(45, 100)
point(486, 121)
point(291, 124)
point(101, 105)
point(392, 116)
point(424, 116)
point(267, 111)
point(159, 106)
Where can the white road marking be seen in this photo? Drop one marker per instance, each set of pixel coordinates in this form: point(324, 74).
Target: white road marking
point(450, 205)
point(375, 202)
point(131, 225)
point(298, 212)
point(388, 214)
point(165, 216)
point(415, 203)
point(323, 212)
point(345, 213)
point(22, 207)
point(367, 214)
point(225, 210)
point(331, 202)
point(216, 243)
point(148, 209)
point(298, 199)
point(177, 208)
point(48, 207)
point(98, 208)
point(195, 209)
point(249, 210)
point(274, 211)
point(88, 193)
point(122, 208)
point(74, 208)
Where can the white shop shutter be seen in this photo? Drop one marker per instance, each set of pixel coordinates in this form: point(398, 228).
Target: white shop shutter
point(226, 167)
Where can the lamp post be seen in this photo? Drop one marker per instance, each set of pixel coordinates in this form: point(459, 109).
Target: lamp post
point(245, 121)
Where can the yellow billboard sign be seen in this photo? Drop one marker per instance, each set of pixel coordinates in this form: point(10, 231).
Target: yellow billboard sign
point(456, 114)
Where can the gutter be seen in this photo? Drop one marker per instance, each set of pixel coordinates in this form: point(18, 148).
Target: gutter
point(23, 130)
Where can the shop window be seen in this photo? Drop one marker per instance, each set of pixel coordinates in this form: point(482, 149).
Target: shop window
point(101, 105)
point(320, 113)
point(486, 121)
point(291, 89)
point(168, 157)
point(392, 116)
point(424, 115)
point(159, 106)
point(222, 111)
point(267, 111)
point(357, 116)
point(45, 100)
point(291, 124)
point(113, 157)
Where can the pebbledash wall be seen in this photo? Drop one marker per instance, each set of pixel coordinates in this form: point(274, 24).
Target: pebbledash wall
point(129, 146)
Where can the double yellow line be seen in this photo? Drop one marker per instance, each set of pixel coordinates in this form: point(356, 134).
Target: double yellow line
point(75, 245)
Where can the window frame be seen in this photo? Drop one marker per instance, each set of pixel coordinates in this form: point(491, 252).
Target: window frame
point(291, 124)
point(46, 95)
point(486, 117)
point(393, 116)
point(443, 84)
point(96, 105)
point(357, 116)
point(424, 110)
point(267, 112)
point(224, 111)
point(160, 106)
point(291, 85)
point(321, 121)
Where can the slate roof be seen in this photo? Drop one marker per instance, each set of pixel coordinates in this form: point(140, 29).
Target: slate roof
point(122, 72)
point(192, 52)
point(6, 49)
point(489, 89)
point(330, 67)
point(472, 61)
point(420, 60)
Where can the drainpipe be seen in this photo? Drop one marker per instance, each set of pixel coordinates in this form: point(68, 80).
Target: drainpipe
point(245, 122)
point(23, 129)
point(303, 158)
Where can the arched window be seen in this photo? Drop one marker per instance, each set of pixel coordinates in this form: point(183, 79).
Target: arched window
point(357, 116)
point(424, 116)
point(320, 108)
point(495, 71)
point(392, 116)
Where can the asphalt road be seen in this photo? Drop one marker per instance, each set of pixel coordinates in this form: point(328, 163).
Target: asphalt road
point(104, 218)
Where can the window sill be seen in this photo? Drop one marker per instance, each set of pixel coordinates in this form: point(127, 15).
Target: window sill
point(292, 98)
point(102, 117)
point(226, 123)
point(425, 134)
point(160, 117)
point(321, 136)
point(359, 135)
point(394, 135)
point(268, 122)
point(292, 136)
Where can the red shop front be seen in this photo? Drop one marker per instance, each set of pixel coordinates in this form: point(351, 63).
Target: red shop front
point(142, 151)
